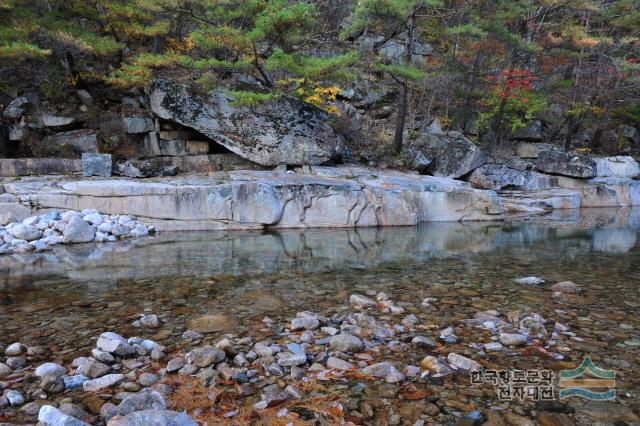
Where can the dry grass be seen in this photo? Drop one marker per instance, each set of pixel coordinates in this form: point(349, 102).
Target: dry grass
point(209, 405)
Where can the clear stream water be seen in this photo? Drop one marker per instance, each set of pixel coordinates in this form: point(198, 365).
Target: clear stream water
point(64, 298)
point(74, 292)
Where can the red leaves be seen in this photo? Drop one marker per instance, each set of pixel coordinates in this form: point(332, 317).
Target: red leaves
point(511, 83)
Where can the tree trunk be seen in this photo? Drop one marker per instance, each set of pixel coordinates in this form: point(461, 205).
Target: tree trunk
point(571, 130)
point(400, 119)
point(404, 86)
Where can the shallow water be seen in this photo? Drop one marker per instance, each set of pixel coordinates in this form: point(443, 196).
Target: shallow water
point(62, 299)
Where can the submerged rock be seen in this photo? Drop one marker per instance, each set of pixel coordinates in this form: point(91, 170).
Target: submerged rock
point(345, 343)
point(462, 362)
point(384, 370)
point(529, 281)
point(153, 418)
point(513, 339)
point(566, 287)
point(212, 323)
point(361, 302)
point(51, 416)
point(102, 382)
point(146, 399)
point(50, 369)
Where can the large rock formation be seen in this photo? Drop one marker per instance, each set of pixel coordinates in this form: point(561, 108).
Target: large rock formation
point(617, 167)
point(496, 177)
point(284, 131)
point(557, 162)
point(452, 154)
point(323, 197)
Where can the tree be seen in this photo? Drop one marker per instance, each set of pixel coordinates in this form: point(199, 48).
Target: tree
point(264, 39)
point(393, 17)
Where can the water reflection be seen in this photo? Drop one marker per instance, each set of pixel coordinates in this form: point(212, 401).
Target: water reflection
point(65, 297)
point(236, 253)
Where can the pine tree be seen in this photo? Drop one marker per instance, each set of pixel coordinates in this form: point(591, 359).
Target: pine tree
point(393, 17)
point(267, 39)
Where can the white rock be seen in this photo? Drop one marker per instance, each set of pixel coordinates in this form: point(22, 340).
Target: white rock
point(513, 339)
point(529, 281)
point(360, 301)
point(51, 416)
point(25, 232)
point(14, 397)
point(304, 323)
point(102, 382)
point(339, 364)
point(462, 362)
point(115, 344)
point(50, 369)
point(105, 227)
point(150, 321)
point(5, 370)
point(15, 349)
point(384, 370)
point(78, 231)
point(617, 167)
point(345, 343)
point(94, 218)
point(139, 231)
point(102, 356)
point(493, 346)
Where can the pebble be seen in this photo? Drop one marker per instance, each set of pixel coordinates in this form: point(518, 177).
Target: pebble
point(14, 397)
point(345, 343)
point(423, 342)
point(513, 339)
point(5, 370)
point(304, 323)
point(148, 379)
point(529, 281)
point(462, 362)
point(73, 382)
point(361, 302)
point(384, 370)
point(205, 356)
point(566, 287)
point(102, 382)
point(50, 369)
point(15, 349)
point(339, 364)
point(49, 415)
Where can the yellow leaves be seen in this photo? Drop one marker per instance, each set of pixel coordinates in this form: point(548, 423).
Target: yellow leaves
point(180, 46)
point(586, 42)
point(320, 97)
point(311, 93)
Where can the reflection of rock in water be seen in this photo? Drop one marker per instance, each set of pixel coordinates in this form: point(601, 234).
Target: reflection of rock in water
point(614, 240)
point(313, 250)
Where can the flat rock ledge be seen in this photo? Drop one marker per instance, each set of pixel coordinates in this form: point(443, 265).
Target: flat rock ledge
point(313, 197)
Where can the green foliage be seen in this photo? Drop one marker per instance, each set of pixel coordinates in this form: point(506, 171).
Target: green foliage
point(375, 14)
point(247, 98)
point(313, 67)
point(401, 71)
point(514, 110)
point(22, 50)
